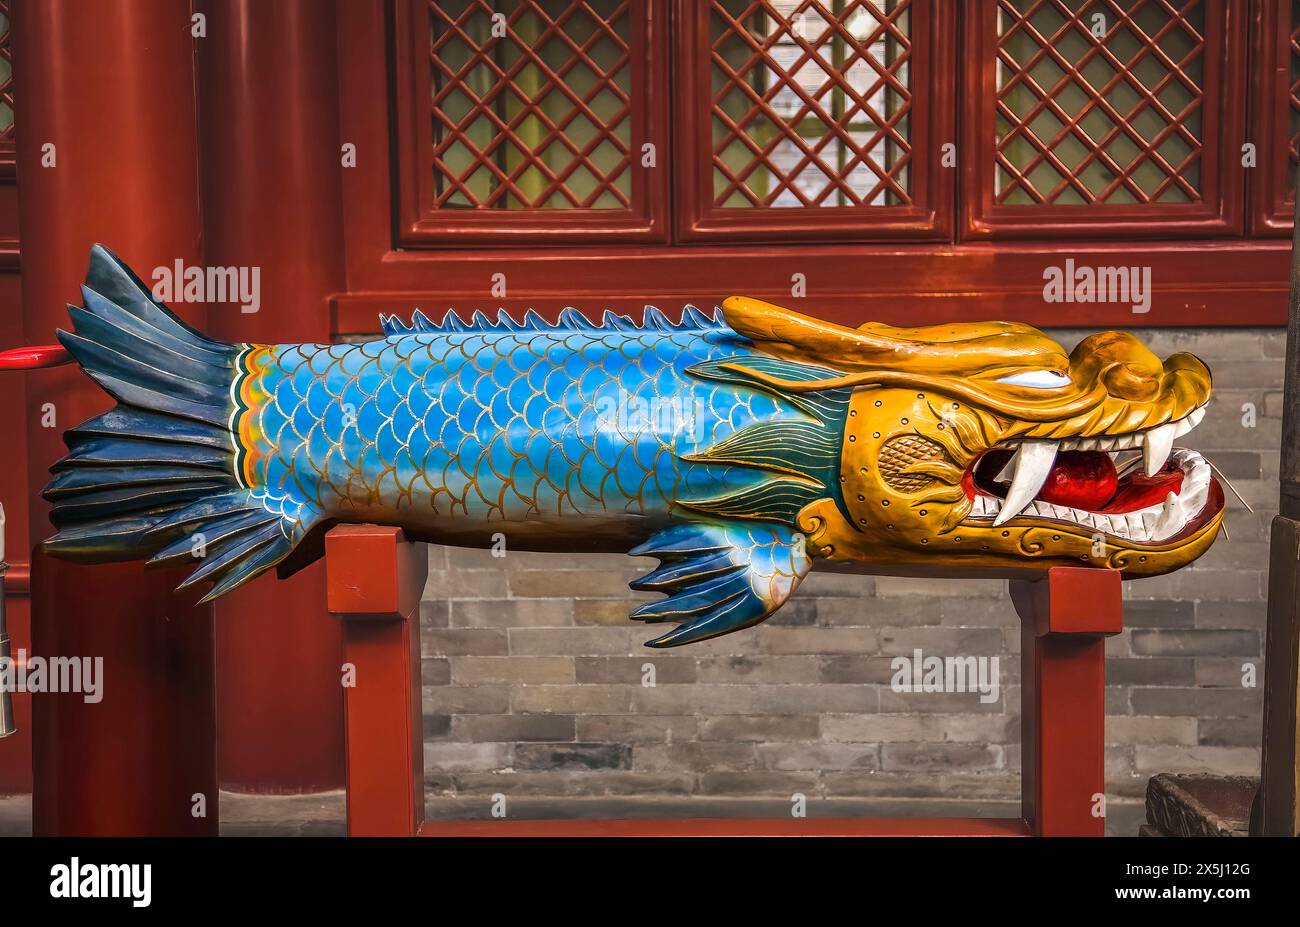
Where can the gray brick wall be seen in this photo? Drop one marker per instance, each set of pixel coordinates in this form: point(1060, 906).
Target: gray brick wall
point(533, 674)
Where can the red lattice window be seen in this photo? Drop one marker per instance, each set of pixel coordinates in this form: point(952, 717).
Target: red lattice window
point(6, 88)
point(1104, 117)
point(536, 119)
point(811, 118)
point(1276, 124)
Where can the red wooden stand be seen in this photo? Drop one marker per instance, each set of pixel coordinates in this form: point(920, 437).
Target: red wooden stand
point(1064, 622)
point(375, 579)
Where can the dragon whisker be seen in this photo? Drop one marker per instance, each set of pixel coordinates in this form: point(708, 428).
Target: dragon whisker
point(1228, 483)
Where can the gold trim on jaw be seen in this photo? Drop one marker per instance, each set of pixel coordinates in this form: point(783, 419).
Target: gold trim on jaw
point(1014, 549)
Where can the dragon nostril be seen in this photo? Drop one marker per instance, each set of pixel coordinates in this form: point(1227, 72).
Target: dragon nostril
point(1127, 381)
point(1121, 363)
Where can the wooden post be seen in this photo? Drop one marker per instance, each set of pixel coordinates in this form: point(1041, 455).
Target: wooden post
point(1278, 811)
point(374, 580)
point(1278, 814)
point(1065, 619)
point(267, 88)
point(108, 153)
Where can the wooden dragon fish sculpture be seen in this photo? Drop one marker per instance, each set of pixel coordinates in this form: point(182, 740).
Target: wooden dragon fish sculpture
point(741, 449)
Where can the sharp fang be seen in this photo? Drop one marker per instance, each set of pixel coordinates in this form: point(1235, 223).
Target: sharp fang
point(1156, 445)
point(1171, 518)
point(1032, 461)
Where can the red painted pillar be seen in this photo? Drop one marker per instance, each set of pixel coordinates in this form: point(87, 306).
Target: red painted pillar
point(268, 118)
point(1064, 622)
point(15, 750)
point(107, 152)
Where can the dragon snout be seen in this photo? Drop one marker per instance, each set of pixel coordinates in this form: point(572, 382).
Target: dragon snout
point(1130, 371)
point(1188, 380)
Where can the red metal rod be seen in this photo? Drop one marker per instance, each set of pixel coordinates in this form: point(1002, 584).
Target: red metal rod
point(30, 358)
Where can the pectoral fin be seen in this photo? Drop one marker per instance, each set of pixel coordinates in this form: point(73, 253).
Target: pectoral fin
point(719, 577)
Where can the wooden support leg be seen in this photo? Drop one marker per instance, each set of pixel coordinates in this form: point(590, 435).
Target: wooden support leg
point(1065, 619)
point(1279, 806)
point(374, 579)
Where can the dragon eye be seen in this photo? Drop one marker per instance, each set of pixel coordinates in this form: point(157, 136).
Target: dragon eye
point(1037, 379)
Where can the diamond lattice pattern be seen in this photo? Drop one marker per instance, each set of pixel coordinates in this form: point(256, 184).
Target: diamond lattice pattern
point(531, 104)
point(1099, 101)
point(811, 103)
point(6, 77)
point(1293, 98)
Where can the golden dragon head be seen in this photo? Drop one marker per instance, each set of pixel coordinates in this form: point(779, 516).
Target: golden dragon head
point(983, 448)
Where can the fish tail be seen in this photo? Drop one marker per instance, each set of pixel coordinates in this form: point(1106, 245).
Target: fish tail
point(158, 476)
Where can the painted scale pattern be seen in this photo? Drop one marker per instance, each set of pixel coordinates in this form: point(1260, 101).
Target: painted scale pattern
point(646, 437)
point(497, 425)
point(461, 430)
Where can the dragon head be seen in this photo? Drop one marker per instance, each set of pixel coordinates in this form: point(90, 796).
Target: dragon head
point(984, 448)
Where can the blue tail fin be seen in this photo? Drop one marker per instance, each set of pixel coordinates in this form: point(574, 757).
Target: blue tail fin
point(156, 476)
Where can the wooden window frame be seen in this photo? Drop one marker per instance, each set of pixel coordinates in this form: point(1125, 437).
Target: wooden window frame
point(1272, 203)
point(932, 123)
point(1221, 211)
point(420, 225)
point(1211, 282)
point(8, 147)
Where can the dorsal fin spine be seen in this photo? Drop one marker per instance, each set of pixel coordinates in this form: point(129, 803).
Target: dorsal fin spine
point(570, 319)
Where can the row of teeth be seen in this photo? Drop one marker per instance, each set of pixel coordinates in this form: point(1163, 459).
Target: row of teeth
point(1150, 525)
point(1174, 430)
point(1029, 466)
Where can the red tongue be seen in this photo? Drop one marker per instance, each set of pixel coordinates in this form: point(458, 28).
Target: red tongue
point(1139, 491)
point(1085, 480)
point(1080, 480)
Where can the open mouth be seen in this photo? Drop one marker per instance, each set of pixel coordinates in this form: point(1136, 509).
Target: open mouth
point(1135, 486)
